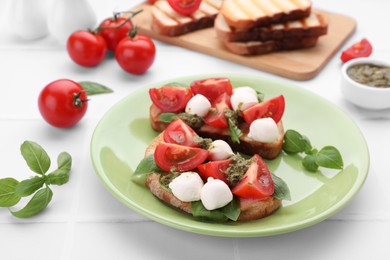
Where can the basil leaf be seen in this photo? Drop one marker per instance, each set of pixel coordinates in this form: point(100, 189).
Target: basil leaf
point(176, 84)
point(199, 211)
point(38, 202)
point(232, 210)
point(146, 166)
point(330, 157)
point(235, 132)
point(281, 189)
point(29, 186)
point(260, 96)
point(35, 156)
point(309, 162)
point(93, 88)
point(167, 117)
point(61, 175)
point(294, 142)
point(8, 197)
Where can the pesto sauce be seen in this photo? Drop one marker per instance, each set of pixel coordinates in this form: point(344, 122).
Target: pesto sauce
point(370, 75)
point(204, 143)
point(237, 169)
point(167, 178)
point(193, 121)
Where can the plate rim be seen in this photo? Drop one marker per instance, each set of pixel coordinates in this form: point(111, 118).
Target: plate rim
point(343, 202)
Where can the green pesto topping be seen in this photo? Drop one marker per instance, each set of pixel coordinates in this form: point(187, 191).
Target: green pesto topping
point(167, 178)
point(193, 121)
point(204, 143)
point(237, 169)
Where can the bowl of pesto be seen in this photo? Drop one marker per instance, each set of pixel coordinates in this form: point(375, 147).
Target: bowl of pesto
point(365, 82)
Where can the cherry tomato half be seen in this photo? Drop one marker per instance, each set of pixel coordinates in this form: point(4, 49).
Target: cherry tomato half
point(86, 48)
point(212, 88)
point(214, 169)
point(185, 7)
point(170, 98)
point(216, 116)
point(179, 132)
point(135, 55)
point(114, 29)
point(273, 108)
point(257, 181)
point(62, 103)
point(181, 158)
point(358, 50)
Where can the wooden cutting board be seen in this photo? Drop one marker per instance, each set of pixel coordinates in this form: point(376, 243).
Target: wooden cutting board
point(301, 64)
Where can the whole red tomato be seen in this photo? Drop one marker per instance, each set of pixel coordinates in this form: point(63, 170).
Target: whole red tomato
point(114, 29)
point(135, 54)
point(86, 48)
point(62, 103)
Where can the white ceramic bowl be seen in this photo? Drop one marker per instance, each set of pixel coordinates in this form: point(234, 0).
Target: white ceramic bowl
point(362, 95)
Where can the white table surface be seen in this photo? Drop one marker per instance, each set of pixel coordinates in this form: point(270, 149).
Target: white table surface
point(84, 221)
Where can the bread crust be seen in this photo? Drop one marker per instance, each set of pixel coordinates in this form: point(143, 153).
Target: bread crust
point(264, 47)
point(167, 22)
point(250, 209)
point(238, 16)
point(314, 26)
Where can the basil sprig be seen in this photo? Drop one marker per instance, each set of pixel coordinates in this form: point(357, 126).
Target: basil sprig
point(327, 157)
point(11, 190)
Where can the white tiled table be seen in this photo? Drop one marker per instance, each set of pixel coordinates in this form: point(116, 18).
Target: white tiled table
point(84, 221)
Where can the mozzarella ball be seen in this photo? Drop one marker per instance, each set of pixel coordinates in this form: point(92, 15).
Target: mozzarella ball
point(215, 194)
point(242, 100)
point(187, 186)
point(264, 130)
point(198, 105)
point(219, 150)
point(245, 89)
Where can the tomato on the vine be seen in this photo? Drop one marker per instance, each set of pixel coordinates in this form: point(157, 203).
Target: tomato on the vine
point(114, 29)
point(86, 48)
point(135, 54)
point(62, 103)
point(185, 7)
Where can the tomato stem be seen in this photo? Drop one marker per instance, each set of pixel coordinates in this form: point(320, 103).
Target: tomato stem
point(77, 101)
point(116, 16)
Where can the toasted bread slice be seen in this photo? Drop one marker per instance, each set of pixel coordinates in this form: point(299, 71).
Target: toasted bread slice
point(313, 26)
point(247, 14)
point(263, 47)
point(247, 145)
point(250, 209)
point(168, 22)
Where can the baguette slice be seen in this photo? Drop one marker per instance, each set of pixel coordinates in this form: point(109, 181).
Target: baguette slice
point(313, 26)
point(247, 145)
point(251, 209)
point(263, 47)
point(168, 22)
point(247, 14)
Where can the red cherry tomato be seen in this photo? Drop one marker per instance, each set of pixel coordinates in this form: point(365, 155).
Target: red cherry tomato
point(181, 158)
point(358, 50)
point(114, 29)
point(169, 98)
point(273, 108)
point(135, 55)
point(86, 48)
point(257, 181)
point(179, 132)
point(212, 88)
point(216, 116)
point(214, 169)
point(185, 7)
point(62, 103)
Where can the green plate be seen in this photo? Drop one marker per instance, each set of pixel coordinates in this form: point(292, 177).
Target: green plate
point(122, 135)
